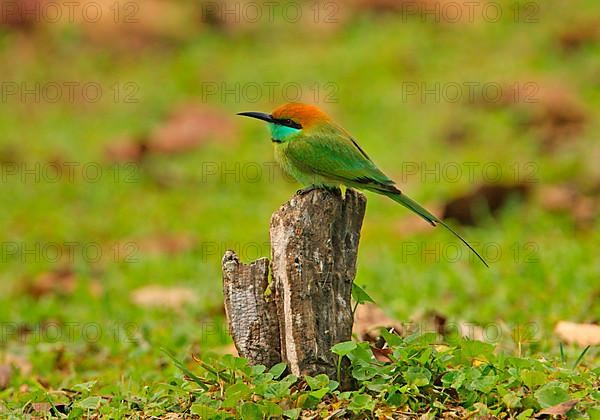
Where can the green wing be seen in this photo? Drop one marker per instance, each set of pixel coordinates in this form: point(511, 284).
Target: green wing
point(338, 157)
point(335, 156)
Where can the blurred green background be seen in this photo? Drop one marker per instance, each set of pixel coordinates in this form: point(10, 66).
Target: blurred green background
point(126, 174)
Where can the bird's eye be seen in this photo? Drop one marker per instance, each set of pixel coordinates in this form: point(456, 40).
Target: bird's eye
point(289, 123)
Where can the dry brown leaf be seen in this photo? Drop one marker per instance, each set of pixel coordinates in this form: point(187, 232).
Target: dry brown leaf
point(132, 248)
point(169, 244)
point(95, 288)
point(14, 16)
point(127, 149)
point(5, 375)
point(434, 11)
point(551, 110)
point(368, 318)
point(579, 34)
point(164, 297)
point(19, 362)
point(41, 407)
point(245, 17)
point(568, 199)
point(60, 282)
point(189, 126)
point(463, 209)
point(382, 355)
point(581, 334)
point(10, 153)
point(136, 24)
point(173, 416)
point(558, 409)
point(557, 116)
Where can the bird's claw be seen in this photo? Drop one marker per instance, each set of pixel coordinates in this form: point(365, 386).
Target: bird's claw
point(306, 190)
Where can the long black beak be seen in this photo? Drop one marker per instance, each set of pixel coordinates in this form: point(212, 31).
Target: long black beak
point(258, 116)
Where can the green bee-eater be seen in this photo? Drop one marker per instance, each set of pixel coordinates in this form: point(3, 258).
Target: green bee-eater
point(318, 153)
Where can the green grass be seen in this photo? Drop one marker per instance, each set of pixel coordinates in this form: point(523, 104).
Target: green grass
point(369, 59)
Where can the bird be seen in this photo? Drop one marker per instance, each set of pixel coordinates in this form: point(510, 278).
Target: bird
point(319, 153)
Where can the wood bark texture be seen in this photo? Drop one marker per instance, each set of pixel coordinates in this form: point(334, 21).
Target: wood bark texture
point(314, 245)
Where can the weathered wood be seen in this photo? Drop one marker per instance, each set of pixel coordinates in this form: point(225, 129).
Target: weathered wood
point(252, 315)
point(314, 245)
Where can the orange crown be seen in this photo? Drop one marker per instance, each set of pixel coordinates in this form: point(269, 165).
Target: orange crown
point(304, 114)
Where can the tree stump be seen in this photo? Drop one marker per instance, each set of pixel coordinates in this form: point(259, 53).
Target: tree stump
point(314, 245)
point(252, 315)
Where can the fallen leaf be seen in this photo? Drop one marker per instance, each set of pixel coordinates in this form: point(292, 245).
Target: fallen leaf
point(434, 11)
point(558, 409)
point(41, 407)
point(130, 249)
point(186, 128)
point(556, 116)
point(164, 297)
point(247, 17)
point(10, 153)
point(456, 134)
point(580, 334)
point(5, 375)
point(14, 14)
point(136, 24)
point(579, 34)
point(189, 126)
point(369, 318)
point(95, 288)
point(568, 199)
point(18, 362)
point(173, 416)
point(127, 149)
point(382, 355)
point(550, 110)
point(464, 208)
point(60, 282)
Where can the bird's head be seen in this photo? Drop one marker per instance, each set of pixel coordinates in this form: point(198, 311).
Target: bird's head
point(290, 119)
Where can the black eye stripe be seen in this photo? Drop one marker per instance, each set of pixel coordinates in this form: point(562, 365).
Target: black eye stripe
point(288, 123)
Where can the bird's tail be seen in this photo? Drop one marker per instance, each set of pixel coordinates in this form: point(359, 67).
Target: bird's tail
point(398, 197)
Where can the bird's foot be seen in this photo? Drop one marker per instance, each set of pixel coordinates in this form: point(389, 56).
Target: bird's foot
point(306, 190)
